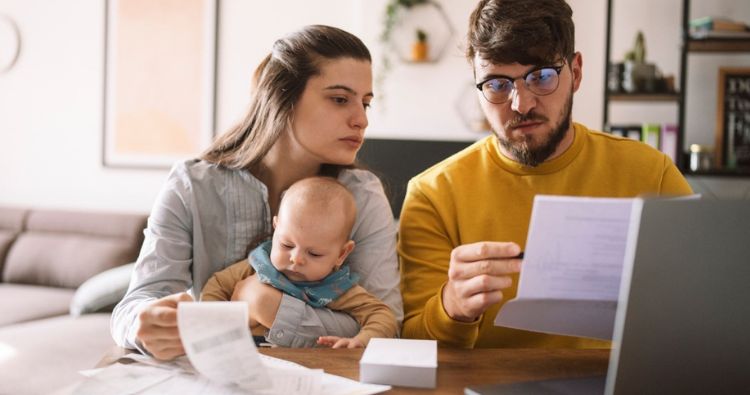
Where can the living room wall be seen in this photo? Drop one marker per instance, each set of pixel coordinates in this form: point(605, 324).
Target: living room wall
point(51, 100)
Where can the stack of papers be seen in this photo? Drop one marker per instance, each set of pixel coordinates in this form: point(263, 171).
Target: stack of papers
point(221, 359)
point(404, 362)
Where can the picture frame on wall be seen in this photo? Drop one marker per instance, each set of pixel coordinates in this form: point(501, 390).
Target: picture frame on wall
point(159, 81)
point(733, 118)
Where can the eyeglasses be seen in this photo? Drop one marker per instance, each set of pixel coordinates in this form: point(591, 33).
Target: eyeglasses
point(540, 81)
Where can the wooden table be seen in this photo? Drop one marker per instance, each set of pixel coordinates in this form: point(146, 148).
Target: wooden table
point(460, 368)
point(457, 368)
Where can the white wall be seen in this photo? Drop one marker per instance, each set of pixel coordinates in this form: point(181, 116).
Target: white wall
point(51, 101)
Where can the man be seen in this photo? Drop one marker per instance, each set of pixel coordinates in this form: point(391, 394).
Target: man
point(466, 218)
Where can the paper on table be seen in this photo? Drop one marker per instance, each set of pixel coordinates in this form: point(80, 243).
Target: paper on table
point(208, 326)
point(123, 379)
point(217, 342)
point(570, 277)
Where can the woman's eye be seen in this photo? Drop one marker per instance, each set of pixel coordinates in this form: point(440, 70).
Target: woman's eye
point(366, 105)
point(340, 100)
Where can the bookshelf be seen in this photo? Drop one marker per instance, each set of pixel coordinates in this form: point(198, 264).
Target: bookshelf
point(688, 46)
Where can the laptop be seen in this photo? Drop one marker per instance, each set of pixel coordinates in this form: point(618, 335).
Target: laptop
point(683, 321)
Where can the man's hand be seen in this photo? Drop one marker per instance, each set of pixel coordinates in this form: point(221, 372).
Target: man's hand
point(476, 277)
point(157, 330)
point(262, 300)
point(340, 342)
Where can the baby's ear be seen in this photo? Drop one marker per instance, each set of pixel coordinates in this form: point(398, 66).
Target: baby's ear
point(346, 249)
point(275, 220)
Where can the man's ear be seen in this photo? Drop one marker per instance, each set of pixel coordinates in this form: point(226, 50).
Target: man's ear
point(275, 220)
point(345, 251)
point(576, 66)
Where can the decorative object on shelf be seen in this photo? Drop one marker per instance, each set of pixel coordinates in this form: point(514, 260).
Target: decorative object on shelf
point(402, 19)
point(469, 110)
point(420, 47)
point(10, 43)
point(635, 75)
point(159, 81)
point(733, 119)
point(700, 157)
point(638, 76)
point(405, 17)
point(614, 77)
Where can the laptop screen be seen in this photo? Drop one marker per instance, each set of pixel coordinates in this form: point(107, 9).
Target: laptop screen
point(683, 324)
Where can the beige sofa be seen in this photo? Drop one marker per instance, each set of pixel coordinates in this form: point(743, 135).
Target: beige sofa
point(61, 272)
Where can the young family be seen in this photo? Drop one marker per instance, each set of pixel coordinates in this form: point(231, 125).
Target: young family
point(276, 213)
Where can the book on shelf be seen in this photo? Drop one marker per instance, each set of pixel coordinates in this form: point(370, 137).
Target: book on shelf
point(650, 134)
point(719, 34)
point(660, 136)
point(718, 28)
point(711, 23)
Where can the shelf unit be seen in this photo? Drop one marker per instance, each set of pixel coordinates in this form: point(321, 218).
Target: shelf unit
point(688, 45)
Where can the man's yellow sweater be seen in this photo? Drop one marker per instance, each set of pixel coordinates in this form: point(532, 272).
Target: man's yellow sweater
point(480, 195)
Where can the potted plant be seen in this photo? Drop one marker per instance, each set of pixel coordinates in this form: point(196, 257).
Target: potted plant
point(638, 76)
point(419, 48)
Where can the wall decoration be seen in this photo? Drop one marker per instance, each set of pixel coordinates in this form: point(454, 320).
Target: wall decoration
point(416, 30)
point(159, 89)
point(10, 43)
point(733, 119)
point(469, 109)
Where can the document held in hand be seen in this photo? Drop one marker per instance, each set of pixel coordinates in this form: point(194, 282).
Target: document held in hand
point(573, 260)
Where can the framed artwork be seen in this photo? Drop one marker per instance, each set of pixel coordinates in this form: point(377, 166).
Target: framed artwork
point(733, 119)
point(159, 81)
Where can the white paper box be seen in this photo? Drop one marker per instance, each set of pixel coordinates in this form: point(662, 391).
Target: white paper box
point(404, 362)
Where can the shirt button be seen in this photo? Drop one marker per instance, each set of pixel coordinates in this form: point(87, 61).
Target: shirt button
point(279, 334)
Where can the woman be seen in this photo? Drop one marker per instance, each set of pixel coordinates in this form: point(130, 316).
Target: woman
point(307, 117)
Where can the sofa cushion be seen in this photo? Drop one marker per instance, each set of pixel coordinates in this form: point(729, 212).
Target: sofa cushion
point(103, 291)
point(11, 224)
point(64, 249)
point(12, 218)
point(20, 303)
point(43, 356)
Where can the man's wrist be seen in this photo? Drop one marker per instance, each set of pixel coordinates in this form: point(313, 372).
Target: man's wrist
point(450, 308)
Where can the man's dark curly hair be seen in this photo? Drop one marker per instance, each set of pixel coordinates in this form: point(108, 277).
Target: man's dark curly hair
point(529, 32)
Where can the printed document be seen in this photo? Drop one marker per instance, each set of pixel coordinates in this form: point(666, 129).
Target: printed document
point(570, 276)
point(221, 359)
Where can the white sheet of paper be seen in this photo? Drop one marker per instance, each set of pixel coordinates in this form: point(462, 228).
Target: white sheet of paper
point(213, 328)
point(218, 343)
point(575, 248)
point(570, 277)
point(119, 379)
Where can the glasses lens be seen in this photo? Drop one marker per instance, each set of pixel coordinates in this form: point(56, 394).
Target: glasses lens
point(497, 90)
point(543, 81)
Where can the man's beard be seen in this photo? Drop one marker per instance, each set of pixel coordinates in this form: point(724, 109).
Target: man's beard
point(533, 156)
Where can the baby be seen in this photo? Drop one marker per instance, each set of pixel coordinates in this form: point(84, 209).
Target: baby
point(304, 259)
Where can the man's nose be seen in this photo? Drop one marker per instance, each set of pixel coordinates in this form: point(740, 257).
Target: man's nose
point(522, 100)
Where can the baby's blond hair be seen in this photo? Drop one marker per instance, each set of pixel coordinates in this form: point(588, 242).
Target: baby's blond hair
point(323, 194)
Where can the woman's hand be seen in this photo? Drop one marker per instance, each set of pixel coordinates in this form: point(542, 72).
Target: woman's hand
point(157, 329)
point(263, 300)
point(340, 342)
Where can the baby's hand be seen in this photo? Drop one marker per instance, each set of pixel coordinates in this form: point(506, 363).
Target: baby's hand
point(340, 342)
